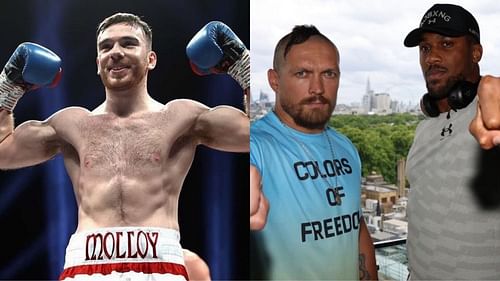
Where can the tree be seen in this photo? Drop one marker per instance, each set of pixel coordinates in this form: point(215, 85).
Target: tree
point(381, 140)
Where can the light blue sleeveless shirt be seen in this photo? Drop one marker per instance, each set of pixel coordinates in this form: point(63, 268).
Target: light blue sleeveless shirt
point(314, 194)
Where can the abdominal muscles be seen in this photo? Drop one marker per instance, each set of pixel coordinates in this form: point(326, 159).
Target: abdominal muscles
point(126, 178)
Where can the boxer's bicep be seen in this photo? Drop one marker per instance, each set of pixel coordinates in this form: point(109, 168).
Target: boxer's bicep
point(225, 128)
point(31, 143)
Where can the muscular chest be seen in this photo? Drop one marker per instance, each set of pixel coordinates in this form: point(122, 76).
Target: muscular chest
point(123, 144)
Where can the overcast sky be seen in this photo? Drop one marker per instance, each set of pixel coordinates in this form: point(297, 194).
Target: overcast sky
point(369, 35)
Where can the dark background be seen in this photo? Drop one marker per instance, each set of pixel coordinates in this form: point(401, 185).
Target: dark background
point(37, 205)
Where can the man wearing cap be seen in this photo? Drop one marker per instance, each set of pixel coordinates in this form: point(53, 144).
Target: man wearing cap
point(453, 214)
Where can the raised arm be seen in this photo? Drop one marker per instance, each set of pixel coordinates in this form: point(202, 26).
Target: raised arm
point(31, 66)
point(31, 143)
point(224, 128)
point(216, 49)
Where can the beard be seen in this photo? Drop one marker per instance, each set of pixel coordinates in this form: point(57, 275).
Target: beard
point(442, 92)
point(126, 82)
point(309, 118)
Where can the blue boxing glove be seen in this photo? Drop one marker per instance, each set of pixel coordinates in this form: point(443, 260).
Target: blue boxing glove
point(216, 49)
point(31, 66)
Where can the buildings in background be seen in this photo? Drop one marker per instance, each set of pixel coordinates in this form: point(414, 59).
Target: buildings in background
point(377, 103)
point(384, 211)
point(384, 208)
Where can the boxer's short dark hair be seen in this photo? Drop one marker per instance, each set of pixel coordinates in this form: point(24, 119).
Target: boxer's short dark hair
point(130, 19)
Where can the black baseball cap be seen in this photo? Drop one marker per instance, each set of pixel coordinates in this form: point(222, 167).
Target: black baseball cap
point(446, 19)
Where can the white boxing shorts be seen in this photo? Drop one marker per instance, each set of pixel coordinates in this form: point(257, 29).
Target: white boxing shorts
point(125, 253)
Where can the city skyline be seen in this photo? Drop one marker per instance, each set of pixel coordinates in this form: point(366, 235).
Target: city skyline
point(369, 36)
point(371, 102)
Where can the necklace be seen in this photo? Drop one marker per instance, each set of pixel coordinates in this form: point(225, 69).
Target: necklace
point(337, 195)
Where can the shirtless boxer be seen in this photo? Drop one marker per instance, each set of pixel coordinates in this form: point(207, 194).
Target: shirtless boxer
point(127, 159)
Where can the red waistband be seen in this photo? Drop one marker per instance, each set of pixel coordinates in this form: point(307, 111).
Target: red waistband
point(141, 267)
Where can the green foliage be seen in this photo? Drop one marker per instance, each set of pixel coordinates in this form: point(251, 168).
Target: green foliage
point(381, 140)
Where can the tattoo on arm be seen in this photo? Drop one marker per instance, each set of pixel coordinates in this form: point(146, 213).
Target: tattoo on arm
point(363, 272)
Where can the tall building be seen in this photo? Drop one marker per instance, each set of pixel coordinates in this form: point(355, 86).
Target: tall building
point(378, 103)
point(381, 103)
point(367, 102)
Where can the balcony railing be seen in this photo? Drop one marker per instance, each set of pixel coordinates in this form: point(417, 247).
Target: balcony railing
point(392, 260)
